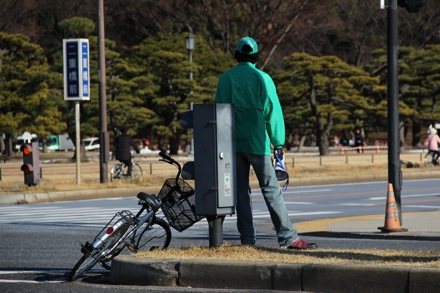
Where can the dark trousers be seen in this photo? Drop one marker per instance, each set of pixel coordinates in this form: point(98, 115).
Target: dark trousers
point(129, 165)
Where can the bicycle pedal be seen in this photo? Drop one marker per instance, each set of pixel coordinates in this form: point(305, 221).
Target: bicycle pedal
point(132, 249)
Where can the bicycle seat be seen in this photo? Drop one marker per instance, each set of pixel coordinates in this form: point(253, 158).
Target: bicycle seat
point(150, 199)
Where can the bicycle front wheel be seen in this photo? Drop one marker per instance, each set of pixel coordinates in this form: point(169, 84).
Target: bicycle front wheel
point(136, 173)
point(155, 235)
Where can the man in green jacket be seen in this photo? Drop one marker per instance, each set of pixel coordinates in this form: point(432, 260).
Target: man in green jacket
point(259, 123)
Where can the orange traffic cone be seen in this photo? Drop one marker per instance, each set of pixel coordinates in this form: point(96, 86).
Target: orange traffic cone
point(392, 221)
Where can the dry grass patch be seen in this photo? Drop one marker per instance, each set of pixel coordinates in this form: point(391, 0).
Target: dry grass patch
point(336, 170)
point(425, 259)
point(86, 183)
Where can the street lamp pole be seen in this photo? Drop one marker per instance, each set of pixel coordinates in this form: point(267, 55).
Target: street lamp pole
point(190, 43)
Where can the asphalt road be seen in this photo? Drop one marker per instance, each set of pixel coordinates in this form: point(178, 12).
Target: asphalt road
point(39, 241)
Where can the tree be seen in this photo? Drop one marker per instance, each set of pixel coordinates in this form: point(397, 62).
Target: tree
point(338, 96)
point(357, 41)
point(165, 62)
point(420, 86)
point(420, 29)
point(128, 95)
point(27, 103)
point(415, 93)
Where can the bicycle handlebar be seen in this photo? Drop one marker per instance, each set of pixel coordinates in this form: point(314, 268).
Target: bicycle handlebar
point(167, 158)
point(170, 160)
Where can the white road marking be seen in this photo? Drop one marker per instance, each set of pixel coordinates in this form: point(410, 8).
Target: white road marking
point(306, 191)
point(357, 204)
point(405, 196)
point(31, 282)
point(34, 272)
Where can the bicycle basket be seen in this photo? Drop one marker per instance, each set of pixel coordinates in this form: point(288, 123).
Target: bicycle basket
point(180, 212)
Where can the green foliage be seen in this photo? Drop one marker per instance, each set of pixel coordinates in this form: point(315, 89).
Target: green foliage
point(419, 84)
point(25, 97)
point(77, 27)
point(326, 93)
point(420, 81)
point(167, 90)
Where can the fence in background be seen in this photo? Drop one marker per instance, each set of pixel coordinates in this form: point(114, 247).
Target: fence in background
point(55, 171)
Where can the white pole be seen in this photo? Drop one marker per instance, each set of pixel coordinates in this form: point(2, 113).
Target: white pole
point(78, 144)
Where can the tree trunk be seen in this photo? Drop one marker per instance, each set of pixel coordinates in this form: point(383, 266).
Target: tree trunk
point(9, 150)
point(402, 135)
point(2, 144)
point(44, 144)
point(323, 144)
point(416, 132)
point(175, 142)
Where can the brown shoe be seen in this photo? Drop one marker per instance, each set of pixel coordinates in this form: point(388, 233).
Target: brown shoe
point(301, 245)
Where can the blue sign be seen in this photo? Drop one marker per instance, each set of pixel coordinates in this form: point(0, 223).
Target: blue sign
point(76, 70)
point(85, 69)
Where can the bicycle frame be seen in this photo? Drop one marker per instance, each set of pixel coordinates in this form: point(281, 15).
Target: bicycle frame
point(136, 221)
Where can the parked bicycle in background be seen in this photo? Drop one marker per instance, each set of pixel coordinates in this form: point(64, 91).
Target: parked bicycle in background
point(144, 230)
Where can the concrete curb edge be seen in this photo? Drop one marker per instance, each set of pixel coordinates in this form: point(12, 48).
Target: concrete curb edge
point(129, 270)
point(27, 198)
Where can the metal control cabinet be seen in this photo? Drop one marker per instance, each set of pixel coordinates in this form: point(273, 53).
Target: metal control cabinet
point(214, 159)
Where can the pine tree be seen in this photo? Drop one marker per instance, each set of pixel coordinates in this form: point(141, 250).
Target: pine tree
point(326, 93)
point(27, 103)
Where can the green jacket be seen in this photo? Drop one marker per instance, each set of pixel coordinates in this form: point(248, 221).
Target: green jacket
point(259, 120)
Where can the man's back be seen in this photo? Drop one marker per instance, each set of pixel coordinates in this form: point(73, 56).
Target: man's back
point(123, 143)
point(258, 116)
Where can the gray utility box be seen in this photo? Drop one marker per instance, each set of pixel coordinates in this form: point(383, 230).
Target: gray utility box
point(214, 159)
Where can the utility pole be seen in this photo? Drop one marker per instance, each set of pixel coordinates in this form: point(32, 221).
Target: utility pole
point(103, 135)
point(394, 166)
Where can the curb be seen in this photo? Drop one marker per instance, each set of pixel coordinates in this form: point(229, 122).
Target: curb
point(129, 270)
point(424, 236)
point(25, 198)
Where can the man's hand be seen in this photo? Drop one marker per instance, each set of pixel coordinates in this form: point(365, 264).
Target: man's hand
point(278, 153)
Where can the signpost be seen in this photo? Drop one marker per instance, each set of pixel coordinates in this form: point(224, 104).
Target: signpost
point(76, 83)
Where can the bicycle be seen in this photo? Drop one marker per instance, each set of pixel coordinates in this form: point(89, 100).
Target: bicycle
point(432, 158)
point(119, 171)
point(144, 231)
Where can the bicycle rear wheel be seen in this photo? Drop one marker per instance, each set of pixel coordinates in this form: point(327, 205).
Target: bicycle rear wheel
point(84, 264)
point(155, 235)
point(102, 254)
point(136, 173)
